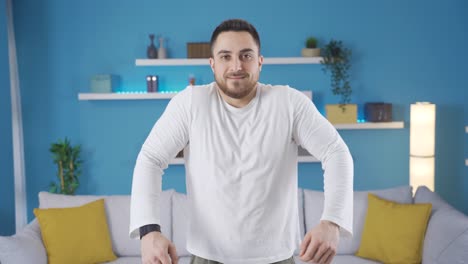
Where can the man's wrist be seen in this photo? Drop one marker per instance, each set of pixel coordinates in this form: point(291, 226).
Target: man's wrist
point(148, 229)
point(330, 223)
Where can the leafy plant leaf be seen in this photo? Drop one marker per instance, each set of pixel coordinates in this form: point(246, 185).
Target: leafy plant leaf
point(67, 159)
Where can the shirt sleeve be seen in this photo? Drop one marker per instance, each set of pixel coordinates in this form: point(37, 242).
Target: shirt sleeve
point(315, 134)
point(169, 135)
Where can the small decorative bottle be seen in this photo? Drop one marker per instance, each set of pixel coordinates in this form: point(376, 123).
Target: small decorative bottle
point(162, 50)
point(152, 52)
point(152, 83)
point(191, 80)
point(149, 83)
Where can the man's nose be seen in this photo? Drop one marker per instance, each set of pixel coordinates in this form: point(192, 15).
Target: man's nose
point(236, 64)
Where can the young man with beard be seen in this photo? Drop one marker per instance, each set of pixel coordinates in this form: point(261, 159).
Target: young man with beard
point(240, 138)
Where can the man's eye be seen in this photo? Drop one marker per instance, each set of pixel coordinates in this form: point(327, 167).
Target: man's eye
point(248, 56)
point(225, 57)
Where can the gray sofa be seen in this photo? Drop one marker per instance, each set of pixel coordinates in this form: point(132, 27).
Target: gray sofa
point(446, 239)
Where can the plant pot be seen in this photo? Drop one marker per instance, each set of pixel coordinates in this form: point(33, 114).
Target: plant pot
point(341, 115)
point(310, 52)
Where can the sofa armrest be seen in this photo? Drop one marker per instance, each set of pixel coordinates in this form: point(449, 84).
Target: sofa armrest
point(23, 247)
point(446, 238)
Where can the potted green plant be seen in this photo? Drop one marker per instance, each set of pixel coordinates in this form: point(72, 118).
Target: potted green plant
point(311, 49)
point(337, 61)
point(67, 159)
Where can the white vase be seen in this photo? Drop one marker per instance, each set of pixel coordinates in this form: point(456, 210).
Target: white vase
point(162, 54)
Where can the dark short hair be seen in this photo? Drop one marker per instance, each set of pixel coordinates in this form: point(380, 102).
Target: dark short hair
point(237, 25)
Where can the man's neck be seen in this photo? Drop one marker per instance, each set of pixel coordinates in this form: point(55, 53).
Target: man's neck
point(241, 102)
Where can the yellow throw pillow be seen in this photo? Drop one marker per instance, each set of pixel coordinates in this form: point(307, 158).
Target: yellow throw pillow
point(394, 232)
point(76, 235)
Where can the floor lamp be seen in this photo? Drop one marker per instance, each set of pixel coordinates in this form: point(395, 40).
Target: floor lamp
point(422, 144)
point(17, 126)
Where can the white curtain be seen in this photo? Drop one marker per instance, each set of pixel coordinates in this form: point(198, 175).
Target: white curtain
point(17, 126)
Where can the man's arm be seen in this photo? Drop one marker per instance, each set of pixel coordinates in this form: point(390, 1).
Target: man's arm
point(169, 135)
point(313, 132)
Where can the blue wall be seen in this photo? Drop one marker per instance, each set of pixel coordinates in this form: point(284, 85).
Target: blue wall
point(7, 206)
point(404, 51)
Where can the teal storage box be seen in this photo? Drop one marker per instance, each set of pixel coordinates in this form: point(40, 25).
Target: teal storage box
point(104, 83)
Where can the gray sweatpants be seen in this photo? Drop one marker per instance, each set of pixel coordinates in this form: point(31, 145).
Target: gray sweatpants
point(199, 260)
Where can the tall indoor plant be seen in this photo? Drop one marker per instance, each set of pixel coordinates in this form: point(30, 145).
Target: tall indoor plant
point(337, 61)
point(67, 159)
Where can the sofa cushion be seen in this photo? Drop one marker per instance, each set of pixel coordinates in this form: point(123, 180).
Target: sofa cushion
point(126, 260)
point(137, 260)
point(185, 260)
point(82, 229)
point(24, 247)
point(342, 259)
point(118, 215)
point(180, 216)
point(424, 195)
point(313, 208)
point(300, 201)
point(394, 232)
point(446, 238)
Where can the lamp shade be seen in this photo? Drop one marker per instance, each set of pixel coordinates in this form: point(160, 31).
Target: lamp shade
point(422, 172)
point(422, 144)
point(422, 129)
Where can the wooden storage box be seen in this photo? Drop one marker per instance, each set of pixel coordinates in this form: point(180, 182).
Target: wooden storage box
point(336, 115)
point(198, 50)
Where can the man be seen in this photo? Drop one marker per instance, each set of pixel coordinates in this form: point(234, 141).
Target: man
point(240, 139)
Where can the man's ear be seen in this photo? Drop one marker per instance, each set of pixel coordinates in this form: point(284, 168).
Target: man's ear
point(212, 64)
point(260, 62)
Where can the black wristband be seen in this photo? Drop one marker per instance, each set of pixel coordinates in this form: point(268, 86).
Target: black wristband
point(149, 228)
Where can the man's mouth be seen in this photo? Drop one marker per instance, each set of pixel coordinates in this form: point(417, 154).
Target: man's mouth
point(237, 77)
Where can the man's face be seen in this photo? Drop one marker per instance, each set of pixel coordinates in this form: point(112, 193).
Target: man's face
point(236, 63)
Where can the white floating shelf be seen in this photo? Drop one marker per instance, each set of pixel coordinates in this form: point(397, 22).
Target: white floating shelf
point(192, 62)
point(293, 60)
point(171, 62)
point(126, 96)
point(300, 159)
point(137, 96)
point(143, 96)
point(372, 125)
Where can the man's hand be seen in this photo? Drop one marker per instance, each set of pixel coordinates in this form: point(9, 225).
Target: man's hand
point(320, 243)
point(156, 249)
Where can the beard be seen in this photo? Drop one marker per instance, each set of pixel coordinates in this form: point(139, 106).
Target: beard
point(236, 88)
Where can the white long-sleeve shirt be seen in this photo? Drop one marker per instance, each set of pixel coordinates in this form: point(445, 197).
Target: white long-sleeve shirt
point(241, 171)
